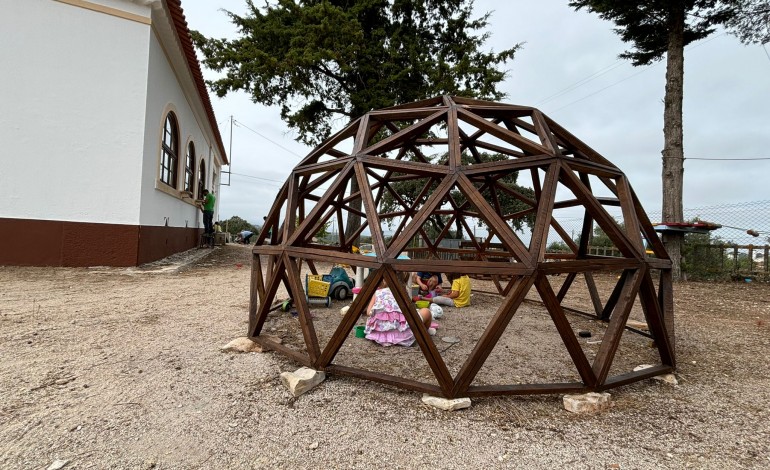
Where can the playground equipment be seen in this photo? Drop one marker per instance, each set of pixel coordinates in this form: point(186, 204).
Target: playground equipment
point(317, 289)
point(341, 285)
point(321, 289)
point(438, 146)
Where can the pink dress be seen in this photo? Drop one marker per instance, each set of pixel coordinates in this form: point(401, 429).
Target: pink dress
point(386, 325)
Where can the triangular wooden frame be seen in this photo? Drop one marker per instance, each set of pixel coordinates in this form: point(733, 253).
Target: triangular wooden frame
point(531, 142)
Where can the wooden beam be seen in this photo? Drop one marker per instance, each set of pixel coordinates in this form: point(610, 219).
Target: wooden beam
point(297, 356)
point(415, 169)
point(567, 137)
point(272, 217)
point(525, 389)
point(345, 326)
point(611, 340)
point(420, 332)
point(544, 133)
point(471, 267)
point(631, 223)
point(605, 221)
point(631, 377)
point(593, 293)
point(332, 256)
point(402, 236)
point(508, 165)
point(565, 331)
point(453, 129)
point(305, 320)
point(491, 335)
point(492, 219)
point(386, 379)
point(501, 133)
point(327, 145)
point(371, 210)
point(257, 289)
point(653, 313)
point(273, 282)
point(592, 264)
point(404, 135)
point(338, 185)
point(539, 238)
point(331, 166)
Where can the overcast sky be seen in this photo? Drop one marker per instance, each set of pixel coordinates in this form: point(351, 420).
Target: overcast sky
point(568, 68)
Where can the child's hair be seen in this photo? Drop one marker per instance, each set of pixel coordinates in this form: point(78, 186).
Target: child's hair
point(452, 276)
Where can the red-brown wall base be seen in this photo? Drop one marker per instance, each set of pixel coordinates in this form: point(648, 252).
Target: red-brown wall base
point(27, 242)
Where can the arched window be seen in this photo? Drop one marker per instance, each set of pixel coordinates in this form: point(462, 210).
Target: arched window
point(169, 153)
point(201, 178)
point(189, 168)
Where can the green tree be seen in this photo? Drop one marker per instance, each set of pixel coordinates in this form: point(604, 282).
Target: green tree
point(409, 190)
point(558, 247)
point(322, 60)
point(655, 28)
point(703, 257)
point(600, 238)
point(323, 232)
point(751, 21)
point(235, 225)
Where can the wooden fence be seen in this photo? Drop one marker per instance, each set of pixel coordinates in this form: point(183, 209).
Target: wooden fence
point(700, 262)
point(728, 261)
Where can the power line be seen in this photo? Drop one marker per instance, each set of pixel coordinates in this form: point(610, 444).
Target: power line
point(240, 124)
point(257, 178)
point(608, 86)
point(728, 159)
point(630, 76)
point(270, 180)
point(581, 82)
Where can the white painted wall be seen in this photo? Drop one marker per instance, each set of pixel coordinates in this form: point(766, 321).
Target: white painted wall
point(165, 92)
point(72, 102)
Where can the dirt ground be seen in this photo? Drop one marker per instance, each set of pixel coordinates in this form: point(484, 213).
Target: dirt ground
point(121, 368)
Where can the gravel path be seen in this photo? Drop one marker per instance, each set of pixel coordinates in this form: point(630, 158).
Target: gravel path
point(121, 368)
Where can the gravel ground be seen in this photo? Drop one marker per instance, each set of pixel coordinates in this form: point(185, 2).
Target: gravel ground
point(121, 368)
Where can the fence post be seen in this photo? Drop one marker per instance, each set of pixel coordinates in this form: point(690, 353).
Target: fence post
point(767, 251)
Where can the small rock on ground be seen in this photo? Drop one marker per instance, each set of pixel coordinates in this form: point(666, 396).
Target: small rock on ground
point(445, 403)
point(302, 380)
point(665, 378)
point(57, 464)
point(244, 344)
point(587, 402)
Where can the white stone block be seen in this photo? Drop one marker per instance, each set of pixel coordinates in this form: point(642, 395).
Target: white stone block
point(639, 325)
point(244, 344)
point(587, 402)
point(302, 380)
point(445, 403)
point(665, 378)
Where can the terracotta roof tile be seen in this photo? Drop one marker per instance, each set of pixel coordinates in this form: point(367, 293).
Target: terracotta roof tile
point(183, 32)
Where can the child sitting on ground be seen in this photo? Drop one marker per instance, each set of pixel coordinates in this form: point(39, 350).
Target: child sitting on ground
point(460, 295)
point(386, 325)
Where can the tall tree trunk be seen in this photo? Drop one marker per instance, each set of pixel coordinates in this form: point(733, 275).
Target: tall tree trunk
point(673, 150)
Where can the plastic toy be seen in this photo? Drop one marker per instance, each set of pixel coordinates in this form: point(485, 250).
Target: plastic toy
point(341, 285)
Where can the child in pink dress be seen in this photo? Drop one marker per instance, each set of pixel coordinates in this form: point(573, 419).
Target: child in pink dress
point(386, 325)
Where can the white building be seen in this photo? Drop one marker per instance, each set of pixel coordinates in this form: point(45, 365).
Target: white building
point(108, 133)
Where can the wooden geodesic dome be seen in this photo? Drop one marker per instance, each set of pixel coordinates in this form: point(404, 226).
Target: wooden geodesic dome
point(416, 174)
